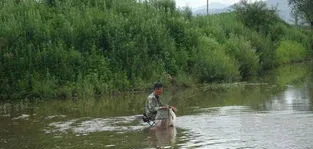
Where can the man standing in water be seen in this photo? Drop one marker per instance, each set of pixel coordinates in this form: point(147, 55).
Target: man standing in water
point(153, 103)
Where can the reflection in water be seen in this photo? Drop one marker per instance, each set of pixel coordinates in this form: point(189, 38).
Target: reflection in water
point(162, 138)
point(292, 99)
point(237, 127)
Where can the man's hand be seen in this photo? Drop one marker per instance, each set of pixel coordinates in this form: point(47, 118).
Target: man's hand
point(168, 107)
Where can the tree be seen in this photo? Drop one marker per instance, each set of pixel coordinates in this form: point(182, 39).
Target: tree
point(167, 5)
point(305, 9)
point(256, 15)
point(296, 15)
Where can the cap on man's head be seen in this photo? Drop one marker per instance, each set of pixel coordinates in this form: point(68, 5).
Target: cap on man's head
point(157, 85)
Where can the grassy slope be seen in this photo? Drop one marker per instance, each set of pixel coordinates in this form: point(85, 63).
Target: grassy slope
point(88, 48)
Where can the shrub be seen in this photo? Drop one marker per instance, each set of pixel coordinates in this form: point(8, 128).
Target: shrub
point(245, 54)
point(213, 64)
point(256, 15)
point(290, 51)
point(264, 48)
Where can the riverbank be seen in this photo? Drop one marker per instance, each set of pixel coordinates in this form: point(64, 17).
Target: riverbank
point(84, 49)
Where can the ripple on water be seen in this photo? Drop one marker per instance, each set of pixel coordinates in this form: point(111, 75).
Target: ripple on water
point(55, 116)
point(111, 145)
point(223, 127)
point(23, 116)
point(238, 127)
point(118, 124)
point(60, 126)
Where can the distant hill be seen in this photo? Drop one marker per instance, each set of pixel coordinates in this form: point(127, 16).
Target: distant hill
point(214, 8)
point(284, 10)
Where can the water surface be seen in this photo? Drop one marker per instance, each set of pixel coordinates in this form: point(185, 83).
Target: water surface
point(273, 111)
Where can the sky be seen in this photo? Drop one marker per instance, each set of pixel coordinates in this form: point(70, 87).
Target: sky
point(199, 3)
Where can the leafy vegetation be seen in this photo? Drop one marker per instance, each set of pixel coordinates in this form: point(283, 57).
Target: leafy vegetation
point(60, 49)
point(290, 51)
point(256, 15)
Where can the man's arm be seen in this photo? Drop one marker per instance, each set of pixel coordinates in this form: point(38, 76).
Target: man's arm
point(154, 106)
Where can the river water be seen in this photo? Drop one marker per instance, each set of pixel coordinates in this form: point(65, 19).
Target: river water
point(273, 111)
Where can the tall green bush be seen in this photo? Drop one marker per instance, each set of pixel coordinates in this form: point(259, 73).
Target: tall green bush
point(213, 64)
point(245, 54)
point(290, 51)
point(256, 15)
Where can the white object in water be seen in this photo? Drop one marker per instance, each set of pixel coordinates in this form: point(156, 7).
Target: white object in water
point(165, 118)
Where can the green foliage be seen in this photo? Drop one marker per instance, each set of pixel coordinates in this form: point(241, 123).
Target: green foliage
point(166, 5)
point(304, 8)
point(277, 31)
point(212, 63)
point(187, 13)
point(264, 48)
point(290, 51)
point(245, 54)
point(65, 48)
point(259, 18)
point(256, 15)
point(291, 74)
point(300, 37)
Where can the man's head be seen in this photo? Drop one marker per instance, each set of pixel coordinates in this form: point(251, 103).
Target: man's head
point(158, 88)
